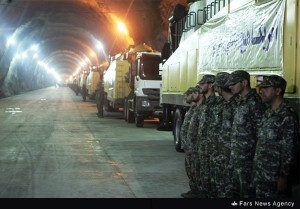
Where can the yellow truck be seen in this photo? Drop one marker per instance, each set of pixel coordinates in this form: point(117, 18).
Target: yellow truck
point(116, 87)
point(132, 84)
point(260, 36)
point(92, 81)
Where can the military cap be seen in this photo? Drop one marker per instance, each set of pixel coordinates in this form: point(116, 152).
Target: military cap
point(274, 81)
point(208, 78)
point(195, 89)
point(237, 76)
point(189, 91)
point(221, 79)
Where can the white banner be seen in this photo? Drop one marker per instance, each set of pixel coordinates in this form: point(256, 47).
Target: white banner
point(248, 38)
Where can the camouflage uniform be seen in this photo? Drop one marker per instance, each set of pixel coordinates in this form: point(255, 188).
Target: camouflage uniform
point(219, 134)
point(100, 98)
point(194, 158)
point(203, 145)
point(212, 139)
point(186, 144)
point(274, 151)
point(247, 117)
point(276, 146)
point(225, 175)
point(84, 92)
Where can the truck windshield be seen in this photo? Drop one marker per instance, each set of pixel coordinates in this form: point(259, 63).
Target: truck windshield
point(150, 67)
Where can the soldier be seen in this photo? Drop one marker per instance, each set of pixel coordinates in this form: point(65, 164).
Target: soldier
point(192, 137)
point(76, 87)
point(247, 117)
point(185, 143)
point(100, 97)
point(206, 86)
point(276, 145)
point(84, 92)
point(187, 117)
point(219, 134)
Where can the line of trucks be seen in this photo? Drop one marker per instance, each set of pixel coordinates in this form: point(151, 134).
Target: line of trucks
point(207, 37)
point(131, 83)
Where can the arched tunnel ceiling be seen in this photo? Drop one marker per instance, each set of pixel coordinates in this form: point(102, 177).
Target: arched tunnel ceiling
point(67, 31)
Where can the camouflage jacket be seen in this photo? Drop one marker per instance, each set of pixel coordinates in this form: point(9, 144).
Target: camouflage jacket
point(204, 120)
point(246, 119)
point(214, 123)
point(220, 127)
point(275, 150)
point(192, 133)
point(185, 143)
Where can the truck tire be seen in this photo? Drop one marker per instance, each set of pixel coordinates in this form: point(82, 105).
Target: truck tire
point(177, 129)
point(129, 114)
point(107, 105)
point(139, 121)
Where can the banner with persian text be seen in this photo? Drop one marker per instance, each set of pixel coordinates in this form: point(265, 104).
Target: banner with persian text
point(248, 38)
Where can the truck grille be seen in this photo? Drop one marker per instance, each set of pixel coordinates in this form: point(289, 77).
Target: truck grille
point(153, 94)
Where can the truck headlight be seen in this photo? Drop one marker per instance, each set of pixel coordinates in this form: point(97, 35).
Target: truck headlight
point(146, 103)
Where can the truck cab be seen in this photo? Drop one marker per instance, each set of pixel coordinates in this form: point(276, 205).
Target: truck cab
point(145, 81)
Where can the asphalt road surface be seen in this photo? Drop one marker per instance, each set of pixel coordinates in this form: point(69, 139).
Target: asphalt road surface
point(53, 145)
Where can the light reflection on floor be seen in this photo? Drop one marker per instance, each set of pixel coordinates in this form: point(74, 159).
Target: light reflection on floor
point(13, 110)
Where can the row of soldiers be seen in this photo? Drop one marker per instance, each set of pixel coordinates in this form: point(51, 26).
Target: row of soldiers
point(239, 143)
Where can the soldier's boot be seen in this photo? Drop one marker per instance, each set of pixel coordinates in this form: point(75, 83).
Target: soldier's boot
point(192, 195)
point(186, 193)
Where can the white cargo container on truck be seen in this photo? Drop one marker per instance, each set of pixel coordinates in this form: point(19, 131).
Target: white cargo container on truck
point(116, 87)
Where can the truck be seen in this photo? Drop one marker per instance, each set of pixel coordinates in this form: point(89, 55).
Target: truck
point(116, 87)
point(92, 81)
point(132, 84)
point(259, 36)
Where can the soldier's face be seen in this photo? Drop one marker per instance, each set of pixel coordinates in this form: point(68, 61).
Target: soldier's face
point(268, 94)
point(195, 96)
point(203, 88)
point(189, 98)
point(236, 88)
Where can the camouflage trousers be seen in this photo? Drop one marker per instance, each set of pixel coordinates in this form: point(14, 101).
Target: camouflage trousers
point(204, 157)
point(219, 175)
point(241, 185)
point(192, 168)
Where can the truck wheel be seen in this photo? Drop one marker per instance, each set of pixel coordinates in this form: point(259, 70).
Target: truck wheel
point(177, 137)
point(139, 121)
